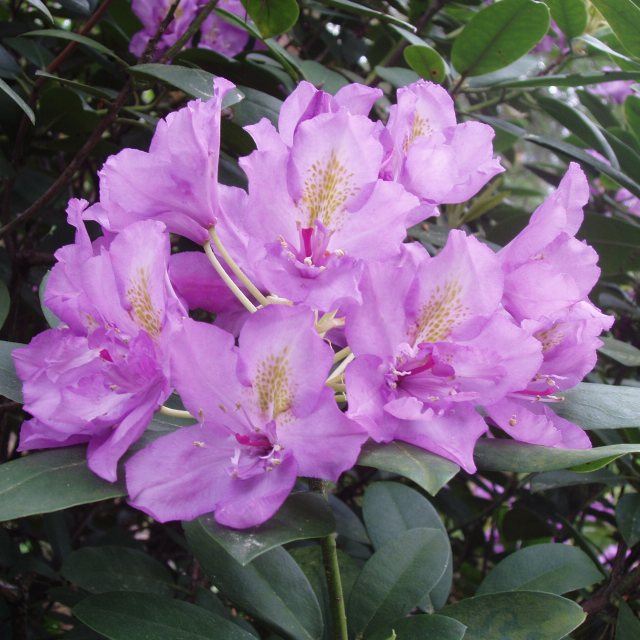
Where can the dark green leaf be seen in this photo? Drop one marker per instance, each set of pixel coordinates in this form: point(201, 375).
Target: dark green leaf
point(194, 82)
point(5, 302)
point(51, 318)
point(397, 76)
point(522, 615)
point(632, 114)
point(272, 588)
point(498, 35)
point(4, 87)
point(42, 8)
point(599, 109)
point(109, 94)
point(49, 481)
point(10, 385)
point(627, 624)
point(272, 17)
point(363, 10)
point(31, 50)
point(254, 106)
point(628, 517)
point(395, 579)
point(506, 455)
point(552, 568)
point(302, 516)
point(570, 80)
point(106, 568)
point(389, 509)
point(424, 628)
point(61, 34)
point(601, 406)
point(623, 17)
point(348, 524)
point(427, 470)
point(426, 62)
point(141, 616)
point(556, 479)
point(570, 15)
point(621, 352)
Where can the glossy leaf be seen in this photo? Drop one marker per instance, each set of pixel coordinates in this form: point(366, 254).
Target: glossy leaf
point(427, 470)
point(51, 480)
point(621, 352)
point(360, 9)
point(272, 17)
point(424, 627)
point(498, 35)
point(552, 568)
point(570, 15)
point(426, 62)
point(569, 80)
point(10, 385)
point(395, 579)
point(5, 88)
point(623, 17)
point(302, 516)
point(389, 509)
point(272, 588)
point(61, 34)
point(628, 518)
point(42, 8)
point(133, 616)
point(519, 615)
point(110, 568)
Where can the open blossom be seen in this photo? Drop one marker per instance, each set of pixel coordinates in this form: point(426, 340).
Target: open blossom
point(430, 345)
point(100, 376)
point(265, 417)
point(435, 158)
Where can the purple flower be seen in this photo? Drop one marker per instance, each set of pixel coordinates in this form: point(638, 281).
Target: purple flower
point(615, 90)
point(631, 202)
point(265, 417)
point(433, 157)
point(222, 36)
point(100, 377)
point(176, 181)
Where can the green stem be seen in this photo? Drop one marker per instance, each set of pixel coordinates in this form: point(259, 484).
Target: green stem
point(332, 572)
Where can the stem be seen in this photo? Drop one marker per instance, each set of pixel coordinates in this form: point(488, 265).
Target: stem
point(332, 572)
point(337, 372)
point(235, 289)
point(175, 413)
point(253, 290)
point(341, 355)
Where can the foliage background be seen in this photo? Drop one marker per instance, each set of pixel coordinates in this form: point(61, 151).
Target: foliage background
point(76, 562)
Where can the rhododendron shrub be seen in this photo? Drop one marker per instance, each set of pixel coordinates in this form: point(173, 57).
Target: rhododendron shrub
point(319, 320)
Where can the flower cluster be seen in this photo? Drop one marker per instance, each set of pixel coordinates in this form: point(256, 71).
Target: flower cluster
point(329, 329)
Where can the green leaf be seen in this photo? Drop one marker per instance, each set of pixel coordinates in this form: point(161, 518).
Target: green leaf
point(628, 518)
point(601, 406)
point(507, 455)
point(194, 82)
point(49, 481)
point(498, 35)
point(571, 16)
point(623, 17)
point(601, 47)
point(110, 568)
point(42, 8)
point(61, 34)
point(424, 627)
point(302, 516)
point(51, 318)
point(138, 616)
point(109, 94)
point(397, 76)
point(395, 579)
point(571, 80)
point(426, 62)
point(18, 100)
point(389, 509)
point(5, 302)
point(363, 10)
point(599, 109)
point(272, 17)
point(520, 615)
point(272, 588)
point(427, 470)
point(10, 385)
point(627, 624)
point(552, 568)
point(632, 114)
point(621, 352)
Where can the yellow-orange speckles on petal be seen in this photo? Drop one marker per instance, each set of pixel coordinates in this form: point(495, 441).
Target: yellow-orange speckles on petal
point(272, 384)
point(440, 315)
point(420, 127)
point(550, 338)
point(144, 312)
point(327, 187)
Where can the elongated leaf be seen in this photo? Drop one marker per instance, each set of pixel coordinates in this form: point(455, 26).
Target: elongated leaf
point(570, 80)
point(570, 15)
point(49, 481)
point(42, 8)
point(363, 10)
point(302, 516)
point(106, 568)
point(5, 88)
point(600, 46)
point(552, 568)
point(389, 509)
point(134, 616)
point(498, 35)
point(426, 62)
point(272, 588)
point(424, 628)
point(599, 109)
point(628, 517)
point(623, 17)
point(272, 17)
point(627, 624)
point(5, 302)
point(61, 34)
point(506, 455)
point(10, 385)
point(621, 352)
point(395, 579)
point(601, 406)
point(427, 470)
point(632, 114)
point(194, 82)
point(521, 615)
